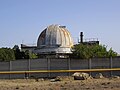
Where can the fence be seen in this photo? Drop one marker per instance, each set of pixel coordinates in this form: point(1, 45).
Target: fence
point(58, 64)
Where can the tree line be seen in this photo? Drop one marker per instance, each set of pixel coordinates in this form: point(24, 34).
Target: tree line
point(79, 51)
point(91, 51)
point(7, 54)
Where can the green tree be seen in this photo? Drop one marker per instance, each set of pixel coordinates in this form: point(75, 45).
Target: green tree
point(33, 56)
point(7, 54)
point(18, 53)
point(111, 53)
point(23, 54)
point(89, 51)
point(30, 55)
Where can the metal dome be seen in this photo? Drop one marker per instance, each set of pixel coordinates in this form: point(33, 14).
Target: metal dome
point(54, 38)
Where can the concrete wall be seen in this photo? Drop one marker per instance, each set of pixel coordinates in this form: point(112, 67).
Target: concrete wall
point(58, 64)
point(116, 64)
point(4, 66)
point(79, 64)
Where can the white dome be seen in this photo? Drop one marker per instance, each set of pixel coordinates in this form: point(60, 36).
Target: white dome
point(55, 37)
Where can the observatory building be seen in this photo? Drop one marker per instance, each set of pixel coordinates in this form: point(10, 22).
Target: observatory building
point(54, 40)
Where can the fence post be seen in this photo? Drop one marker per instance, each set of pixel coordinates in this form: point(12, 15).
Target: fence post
point(48, 66)
point(29, 67)
point(111, 65)
point(10, 68)
point(89, 65)
point(69, 65)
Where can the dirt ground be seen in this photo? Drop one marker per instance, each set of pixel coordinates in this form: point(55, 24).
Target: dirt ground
point(64, 84)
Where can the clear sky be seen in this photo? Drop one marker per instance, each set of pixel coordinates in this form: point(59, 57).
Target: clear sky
point(23, 20)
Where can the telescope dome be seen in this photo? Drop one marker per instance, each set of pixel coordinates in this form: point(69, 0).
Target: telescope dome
point(55, 38)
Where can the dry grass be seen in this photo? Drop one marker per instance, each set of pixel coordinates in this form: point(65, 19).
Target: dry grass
point(64, 84)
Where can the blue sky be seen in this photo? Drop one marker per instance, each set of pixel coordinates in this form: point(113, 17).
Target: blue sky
point(23, 20)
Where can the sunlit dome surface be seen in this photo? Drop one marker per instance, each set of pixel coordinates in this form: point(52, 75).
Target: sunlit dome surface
point(55, 38)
